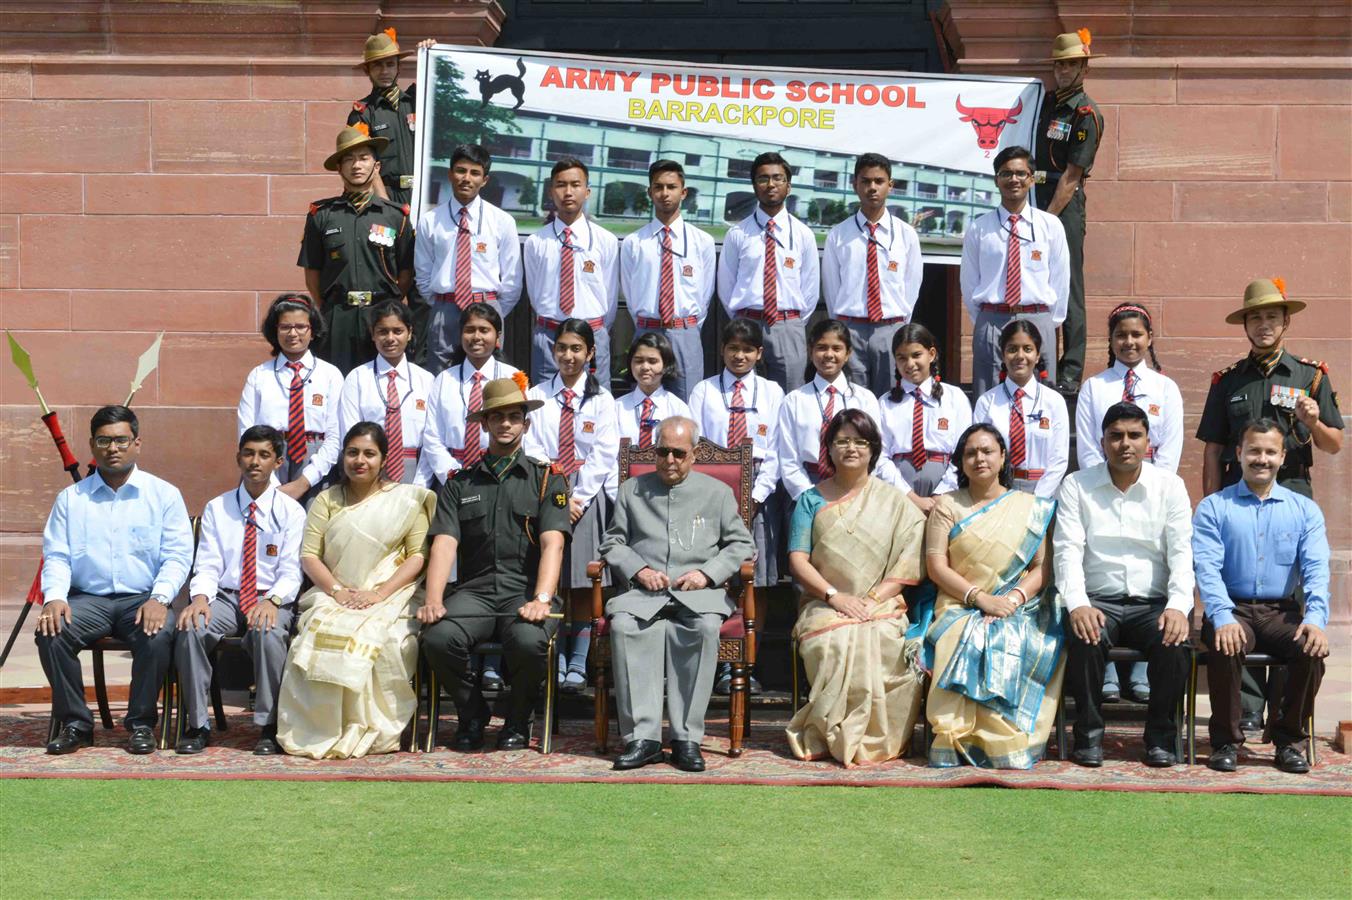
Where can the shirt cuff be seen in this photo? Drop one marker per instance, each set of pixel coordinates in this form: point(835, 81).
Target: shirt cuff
point(164, 591)
point(46, 600)
point(1074, 603)
point(1320, 622)
point(1223, 617)
point(1182, 604)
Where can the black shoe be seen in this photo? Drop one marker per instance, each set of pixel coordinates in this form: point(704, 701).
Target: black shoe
point(638, 754)
point(1089, 757)
point(490, 681)
point(514, 737)
point(685, 756)
point(69, 739)
point(1138, 693)
point(1112, 696)
point(267, 742)
point(1159, 758)
point(470, 733)
point(1291, 759)
point(1251, 724)
point(142, 740)
point(1223, 758)
point(1067, 388)
point(723, 686)
point(755, 686)
point(194, 740)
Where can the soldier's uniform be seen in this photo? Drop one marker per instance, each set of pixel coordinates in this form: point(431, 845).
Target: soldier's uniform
point(1069, 130)
point(391, 115)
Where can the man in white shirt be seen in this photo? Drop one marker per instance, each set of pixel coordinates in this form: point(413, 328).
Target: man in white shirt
point(466, 251)
point(244, 584)
point(1032, 282)
point(572, 272)
point(1123, 559)
point(667, 275)
point(871, 271)
point(780, 288)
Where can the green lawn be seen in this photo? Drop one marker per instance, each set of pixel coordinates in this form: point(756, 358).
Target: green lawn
point(247, 839)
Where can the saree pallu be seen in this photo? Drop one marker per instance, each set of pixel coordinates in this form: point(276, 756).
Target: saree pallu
point(994, 697)
point(345, 691)
point(865, 676)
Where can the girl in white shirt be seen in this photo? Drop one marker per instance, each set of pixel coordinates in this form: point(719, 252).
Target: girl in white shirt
point(1022, 399)
point(651, 364)
point(921, 421)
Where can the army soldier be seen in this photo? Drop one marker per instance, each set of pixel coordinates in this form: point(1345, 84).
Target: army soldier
point(1068, 133)
point(357, 250)
point(502, 521)
point(388, 112)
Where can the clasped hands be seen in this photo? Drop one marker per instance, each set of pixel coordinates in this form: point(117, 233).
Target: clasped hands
point(650, 579)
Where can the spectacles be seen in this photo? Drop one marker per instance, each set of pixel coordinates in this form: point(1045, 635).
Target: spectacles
point(672, 451)
point(293, 329)
point(771, 179)
point(847, 443)
point(122, 442)
point(1007, 175)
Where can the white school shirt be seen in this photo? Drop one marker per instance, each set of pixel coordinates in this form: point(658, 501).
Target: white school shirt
point(762, 400)
point(495, 252)
point(1155, 392)
point(692, 269)
point(800, 426)
point(1044, 264)
point(266, 400)
point(945, 421)
point(1046, 428)
point(627, 409)
point(220, 545)
point(845, 267)
point(364, 399)
point(448, 405)
point(596, 270)
point(596, 438)
point(741, 267)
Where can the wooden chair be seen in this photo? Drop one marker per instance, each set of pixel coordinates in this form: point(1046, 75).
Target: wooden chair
point(737, 637)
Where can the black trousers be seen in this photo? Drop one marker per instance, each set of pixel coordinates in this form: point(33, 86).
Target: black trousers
point(471, 619)
point(91, 618)
point(1128, 622)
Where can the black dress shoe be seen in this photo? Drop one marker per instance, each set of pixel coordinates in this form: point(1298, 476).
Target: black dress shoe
point(1112, 696)
point(1089, 757)
point(1159, 758)
point(470, 734)
point(1138, 693)
point(1223, 758)
point(142, 740)
point(194, 740)
point(1290, 759)
point(267, 742)
point(514, 737)
point(685, 756)
point(69, 739)
point(638, 754)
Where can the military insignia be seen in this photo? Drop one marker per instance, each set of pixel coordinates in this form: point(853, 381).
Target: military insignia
point(381, 126)
point(481, 247)
point(272, 550)
point(420, 405)
point(1154, 409)
point(588, 427)
point(1285, 397)
point(588, 266)
point(556, 468)
point(335, 254)
point(891, 265)
point(1081, 135)
point(1058, 130)
point(1037, 255)
point(1322, 366)
point(560, 500)
point(1044, 423)
point(406, 208)
point(762, 430)
point(358, 106)
point(943, 424)
point(314, 208)
point(788, 262)
point(412, 119)
point(381, 234)
point(688, 271)
point(317, 400)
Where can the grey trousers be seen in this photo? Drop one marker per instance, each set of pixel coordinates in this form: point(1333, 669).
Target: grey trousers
point(786, 354)
point(688, 643)
point(986, 347)
point(542, 356)
point(689, 351)
point(871, 363)
point(267, 649)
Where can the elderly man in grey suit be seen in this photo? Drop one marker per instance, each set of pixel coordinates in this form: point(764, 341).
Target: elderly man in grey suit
point(675, 536)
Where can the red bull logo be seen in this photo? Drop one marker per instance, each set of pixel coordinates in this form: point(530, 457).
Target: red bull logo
point(989, 121)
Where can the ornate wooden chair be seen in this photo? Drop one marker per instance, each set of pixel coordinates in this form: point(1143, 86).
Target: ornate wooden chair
point(737, 638)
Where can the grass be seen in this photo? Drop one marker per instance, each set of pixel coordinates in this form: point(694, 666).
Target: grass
point(266, 839)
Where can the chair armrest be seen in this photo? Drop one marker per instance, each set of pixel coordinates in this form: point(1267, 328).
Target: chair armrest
point(595, 568)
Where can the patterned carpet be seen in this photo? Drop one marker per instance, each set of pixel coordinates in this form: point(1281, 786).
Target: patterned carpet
point(766, 762)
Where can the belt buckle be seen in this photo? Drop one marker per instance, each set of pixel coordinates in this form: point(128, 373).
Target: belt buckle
point(358, 298)
point(405, 182)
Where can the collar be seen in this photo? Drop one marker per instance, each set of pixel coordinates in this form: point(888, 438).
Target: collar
point(1280, 362)
point(745, 379)
point(581, 229)
point(841, 384)
point(280, 362)
point(1244, 492)
point(676, 225)
point(656, 396)
point(1120, 369)
point(1066, 96)
point(383, 367)
point(136, 479)
point(1099, 477)
point(500, 466)
point(556, 386)
point(781, 220)
point(884, 224)
point(266, 498)
point(926, 388)
point(1002, 214)
point(474, 206)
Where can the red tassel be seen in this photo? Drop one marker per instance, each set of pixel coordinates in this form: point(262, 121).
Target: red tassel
point(35, 591)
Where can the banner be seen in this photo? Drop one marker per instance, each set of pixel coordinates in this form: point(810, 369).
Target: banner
point(618, 116)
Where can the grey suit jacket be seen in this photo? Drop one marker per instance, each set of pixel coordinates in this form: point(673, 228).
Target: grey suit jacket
point(693, 525)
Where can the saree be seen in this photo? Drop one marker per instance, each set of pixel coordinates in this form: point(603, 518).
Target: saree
point(865, 676)
point(345, 690)
point(994, 697)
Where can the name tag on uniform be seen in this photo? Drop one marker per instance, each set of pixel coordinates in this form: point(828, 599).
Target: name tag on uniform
point(475, 499)
point(333, 231)
point(317, 400)
point(892, 265)
point(382, 235)
point(272, 550)
point(381, 127)
point(1058, 130)
point(1287, 397)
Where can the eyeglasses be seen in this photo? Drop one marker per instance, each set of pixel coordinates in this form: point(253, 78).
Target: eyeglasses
point(847, 443)
point(293, 329)
point(672, 451)
point(771, 179)
point(1007, 175)
point(122, 442)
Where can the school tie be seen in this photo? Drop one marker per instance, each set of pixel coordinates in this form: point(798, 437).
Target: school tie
point(1129, 387)
point(566, 274)
point(248, 563)
point(875, 288)
point(568, 460)
point(394, 430)
point(1013, 268)
point(736, 417)
point(1018, 443)
point(464, 277)
point(473, 449)
point(770, 286)
point(666, 287)
point(645, 424)
point(918, 454)
point(295, 417)
point(824, 457)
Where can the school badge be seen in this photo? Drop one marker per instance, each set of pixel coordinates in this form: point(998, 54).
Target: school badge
point(588, 266)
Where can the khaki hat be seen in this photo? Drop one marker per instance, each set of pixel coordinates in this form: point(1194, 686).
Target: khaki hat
point(1072, 46)
point(502, 393)
point(1261, 294)
point(352, 137)
point(382, 46)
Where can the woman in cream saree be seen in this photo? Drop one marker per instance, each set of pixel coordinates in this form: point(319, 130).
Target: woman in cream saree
point(995, 648)
point(345, 691)
point(855, 541)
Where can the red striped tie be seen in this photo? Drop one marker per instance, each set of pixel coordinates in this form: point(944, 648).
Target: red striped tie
point(1018, 443)
point(666, 287)
point(464, 276)
point(770, 284)
point(394, 430)
point(1129, 387)
point(295, 417)
point(736, 417)
point(566, 274)
point(875, 288)
point(918, 454)
point(645, 424)
point(248, 563)
point(568, 460)
point(1013, 267)
point(823, 457)
point(473, 442)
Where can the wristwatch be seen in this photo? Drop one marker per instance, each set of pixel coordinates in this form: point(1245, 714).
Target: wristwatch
point(829, 593)
point(543, 597)
point(275, 601)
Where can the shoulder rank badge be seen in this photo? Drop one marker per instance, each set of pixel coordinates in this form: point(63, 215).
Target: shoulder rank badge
point(560, 500)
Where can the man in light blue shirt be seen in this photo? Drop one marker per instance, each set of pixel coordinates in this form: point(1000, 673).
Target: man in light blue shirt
point(1255, 543)
point(116, 551)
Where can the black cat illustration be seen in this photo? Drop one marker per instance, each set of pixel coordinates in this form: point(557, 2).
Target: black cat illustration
point(490, 86)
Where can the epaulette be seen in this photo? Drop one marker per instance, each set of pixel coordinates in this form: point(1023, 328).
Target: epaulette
point(1322, 366)
point(1087, 110)
point(1217, 376)
point(358, 106)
